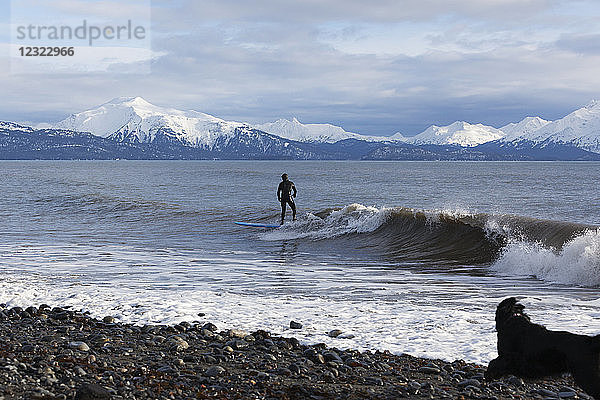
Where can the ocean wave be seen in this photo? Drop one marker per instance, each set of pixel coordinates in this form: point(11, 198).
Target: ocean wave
point(552, 250)
point(576, 263)
point(105, 206)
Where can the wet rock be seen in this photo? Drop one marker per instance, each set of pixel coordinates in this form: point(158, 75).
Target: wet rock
point(515, 381)
point(41, 393)
point(332, 356)
point(334, 333)
point(81, 346)
point(548, 393)
point(177, 343)
point(92, 391)
point(215, 370)
point(237, 333)
point(571, 394)
point(210, 327)
point(295, 325)
point(413, 387)
point(33, 311)
point(469, 382)
point(428, 369)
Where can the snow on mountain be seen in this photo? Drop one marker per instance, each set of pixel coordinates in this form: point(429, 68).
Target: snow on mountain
point(321, 133)
point(11, 126)
point(133, 119)
point(398, 137)
point(580, 128)
point(458, 133)
point(525, 127)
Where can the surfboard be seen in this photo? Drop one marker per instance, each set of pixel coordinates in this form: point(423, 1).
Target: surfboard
point(255, 225)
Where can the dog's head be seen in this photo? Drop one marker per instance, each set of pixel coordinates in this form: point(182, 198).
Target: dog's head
point(507, 309)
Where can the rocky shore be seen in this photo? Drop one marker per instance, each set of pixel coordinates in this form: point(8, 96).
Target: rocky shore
point(56, 353)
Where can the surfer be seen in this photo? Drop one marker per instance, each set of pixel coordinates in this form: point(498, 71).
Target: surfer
point(285, 196)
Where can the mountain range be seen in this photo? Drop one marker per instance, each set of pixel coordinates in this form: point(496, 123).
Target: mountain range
point(131, 127)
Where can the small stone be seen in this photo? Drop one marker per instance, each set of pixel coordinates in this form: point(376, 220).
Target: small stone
point(40, 393)
point(374, 381)
point(515, 381)
point(295, 325)
point(263, 376)
point(295, 368)
point(328, 377)
point(215, 370)
point(176, 343)
point(283, 371)
point(469, 382)
point(108, 319)
point(332, 356)
point(414, 387)
point(237, 344)
point(210, 327)
point(566, 389)
point(237, 333)
point(567, 395)
point(334, 333)
point(32, 311)
point(547, 393)
point(472, 388)
point(165, 369)
point(351, 362)
point(92, 391)
point(81, 346)
point(430, 370)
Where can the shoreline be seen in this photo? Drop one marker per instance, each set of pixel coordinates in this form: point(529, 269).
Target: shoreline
point(57, 353)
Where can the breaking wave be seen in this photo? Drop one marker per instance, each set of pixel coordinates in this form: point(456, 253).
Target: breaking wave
point(556, 251)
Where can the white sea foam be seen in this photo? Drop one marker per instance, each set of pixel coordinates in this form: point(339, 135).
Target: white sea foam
point(353, 218)
point(421, 328)
point(577, 263)
point(431, 321)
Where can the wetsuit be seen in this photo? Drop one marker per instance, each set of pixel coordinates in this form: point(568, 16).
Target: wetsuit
point(284, 194)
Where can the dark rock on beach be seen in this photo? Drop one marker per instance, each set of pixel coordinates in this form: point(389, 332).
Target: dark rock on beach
point(57, 353)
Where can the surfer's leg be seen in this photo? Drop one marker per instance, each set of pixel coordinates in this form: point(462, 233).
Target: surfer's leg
point(282, 211)
point(293, 206)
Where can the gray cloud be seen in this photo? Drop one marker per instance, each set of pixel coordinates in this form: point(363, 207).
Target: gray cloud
point(265, 60)
point(580, 44)
point(317, 11)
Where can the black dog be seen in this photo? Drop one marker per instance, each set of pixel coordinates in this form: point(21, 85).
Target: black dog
point(529, 350)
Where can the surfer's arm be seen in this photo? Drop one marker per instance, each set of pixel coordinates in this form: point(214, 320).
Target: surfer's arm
point(294, 189)
point(279, 189)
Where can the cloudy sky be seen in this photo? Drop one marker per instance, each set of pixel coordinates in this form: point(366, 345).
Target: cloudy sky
point(375, 67)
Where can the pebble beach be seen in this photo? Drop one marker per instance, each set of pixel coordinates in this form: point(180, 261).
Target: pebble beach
point(59, 353)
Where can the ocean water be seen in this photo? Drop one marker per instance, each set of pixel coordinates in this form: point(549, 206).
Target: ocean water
point(411, 257)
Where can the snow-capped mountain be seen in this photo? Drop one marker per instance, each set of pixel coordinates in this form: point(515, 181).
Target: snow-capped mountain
point(525, 127)
point(398, 137)
point(133, 119)
point(458, 133)
point(580, 128)
point(11, 126)
point(313, 133)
